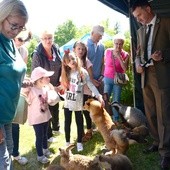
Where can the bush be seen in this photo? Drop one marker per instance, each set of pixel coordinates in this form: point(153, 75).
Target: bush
point(32, 45)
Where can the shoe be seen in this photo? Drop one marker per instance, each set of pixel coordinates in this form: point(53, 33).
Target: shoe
point(87, 136)
point(79, 147)
point(21, 160)
point(152, 148)
point(67, 144)
point(47, 153)
point(57, 132)
point(165, 163)
point(52, 140)
point(43, 159)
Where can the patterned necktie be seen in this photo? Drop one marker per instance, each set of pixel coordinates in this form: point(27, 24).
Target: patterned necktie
point(146, 42)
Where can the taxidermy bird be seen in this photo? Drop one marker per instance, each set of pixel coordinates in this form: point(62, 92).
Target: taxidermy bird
point(131, 115)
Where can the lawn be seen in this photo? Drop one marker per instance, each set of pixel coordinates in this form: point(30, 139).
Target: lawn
point(91, 148)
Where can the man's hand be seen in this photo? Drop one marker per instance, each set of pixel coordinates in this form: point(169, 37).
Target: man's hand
point(157, 56)
point(139, 69)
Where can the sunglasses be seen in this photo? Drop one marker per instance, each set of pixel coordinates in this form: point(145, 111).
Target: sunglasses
point(20, 40)
point(15, 26)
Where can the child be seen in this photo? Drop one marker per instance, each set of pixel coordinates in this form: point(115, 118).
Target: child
point(80, 49)
point(73, 78)
point(38, 97)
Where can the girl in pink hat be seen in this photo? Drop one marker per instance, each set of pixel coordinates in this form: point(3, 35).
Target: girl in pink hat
point(39, 97)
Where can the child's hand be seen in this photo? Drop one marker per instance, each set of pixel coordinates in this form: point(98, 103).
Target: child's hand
point(60, 90)
point(100, 99)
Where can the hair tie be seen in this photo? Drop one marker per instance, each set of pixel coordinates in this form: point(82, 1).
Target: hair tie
point(67, 51)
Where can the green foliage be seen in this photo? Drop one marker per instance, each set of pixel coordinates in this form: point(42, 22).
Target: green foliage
point(65, 32)
point(32, 45)
point(127, 90)
point(82, 31)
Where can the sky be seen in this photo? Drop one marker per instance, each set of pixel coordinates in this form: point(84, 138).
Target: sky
point(45, 13)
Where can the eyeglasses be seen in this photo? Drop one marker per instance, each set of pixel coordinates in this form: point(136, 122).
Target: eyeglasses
point(15, 26)
point(47, 38)
point(20, 40)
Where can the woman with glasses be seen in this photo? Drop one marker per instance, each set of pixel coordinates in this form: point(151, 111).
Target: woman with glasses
point(13, 17)
point(116, 60)
point(20, 40)
point(47, 56)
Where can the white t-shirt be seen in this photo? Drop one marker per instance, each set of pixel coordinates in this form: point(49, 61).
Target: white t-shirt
point(74, 95)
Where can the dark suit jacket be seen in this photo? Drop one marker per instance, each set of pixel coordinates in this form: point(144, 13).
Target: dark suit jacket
point(160, 41)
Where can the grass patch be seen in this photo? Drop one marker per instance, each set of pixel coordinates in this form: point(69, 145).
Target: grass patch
point(91, 148)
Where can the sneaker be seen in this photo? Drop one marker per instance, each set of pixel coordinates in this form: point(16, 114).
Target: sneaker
point(47, 153)
point(57, 132)
point(67, 144)
point(52, 140)
point(21, 160)
point(79, 147)
point(43, 159)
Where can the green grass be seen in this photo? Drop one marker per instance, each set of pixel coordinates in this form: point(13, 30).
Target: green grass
point(91, 148)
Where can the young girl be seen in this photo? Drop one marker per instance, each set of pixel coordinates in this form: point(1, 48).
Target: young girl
point(73, 78)
point(80, 50)
point(38, 97)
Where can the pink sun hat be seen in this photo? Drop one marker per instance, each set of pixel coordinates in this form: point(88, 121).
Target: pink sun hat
point(39, 72)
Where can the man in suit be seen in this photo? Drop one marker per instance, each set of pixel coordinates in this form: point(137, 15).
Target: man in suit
point(155, 76)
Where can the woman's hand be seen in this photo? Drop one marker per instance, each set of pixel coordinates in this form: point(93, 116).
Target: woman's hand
point(27, 83)
point(1, 136)
point(96, 83)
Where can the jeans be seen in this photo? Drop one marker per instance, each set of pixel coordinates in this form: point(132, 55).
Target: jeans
point(15, 136)
point(6, 148)
point(113, 90)
point(41, 137)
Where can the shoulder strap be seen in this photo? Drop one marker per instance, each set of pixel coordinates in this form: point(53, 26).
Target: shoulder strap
point(113, 61)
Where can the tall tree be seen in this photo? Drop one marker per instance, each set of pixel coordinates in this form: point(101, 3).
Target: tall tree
point(65, 32)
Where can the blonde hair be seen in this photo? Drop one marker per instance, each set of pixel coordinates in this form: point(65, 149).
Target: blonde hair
point(46, 31)
point(66, 70)
point(12, 8)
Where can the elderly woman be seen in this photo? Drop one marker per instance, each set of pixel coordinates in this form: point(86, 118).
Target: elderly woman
point(13, 17)
point(47, 56)
point(116, 60)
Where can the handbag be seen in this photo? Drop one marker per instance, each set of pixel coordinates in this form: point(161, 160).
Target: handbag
point(21, 111)
point(120, 78)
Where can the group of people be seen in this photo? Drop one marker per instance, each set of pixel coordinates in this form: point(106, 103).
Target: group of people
point(86, 72)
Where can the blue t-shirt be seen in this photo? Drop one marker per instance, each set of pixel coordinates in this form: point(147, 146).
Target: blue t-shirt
point(12, 72)
point(96, 57)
